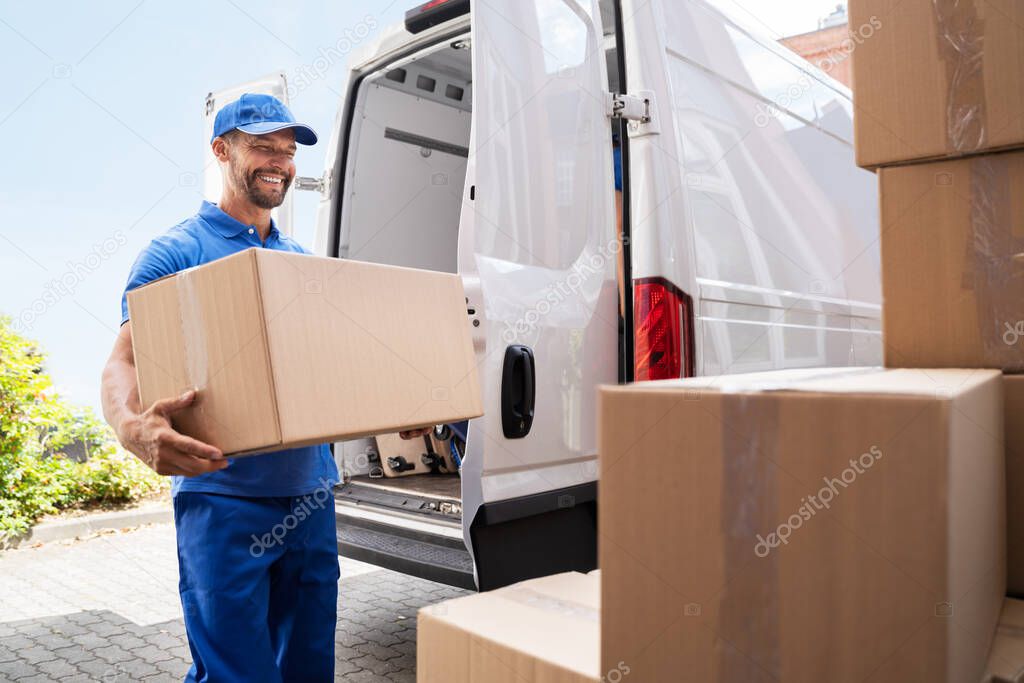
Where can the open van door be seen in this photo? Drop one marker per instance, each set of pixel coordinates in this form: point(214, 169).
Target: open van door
point(273, 84)
point(537, 251)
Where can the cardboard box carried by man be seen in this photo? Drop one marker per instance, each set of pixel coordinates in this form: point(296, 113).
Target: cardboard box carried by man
point(290, 349)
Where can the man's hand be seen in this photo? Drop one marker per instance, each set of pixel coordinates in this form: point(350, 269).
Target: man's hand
point(148, 434)
point(152, 439)
point(413, 433)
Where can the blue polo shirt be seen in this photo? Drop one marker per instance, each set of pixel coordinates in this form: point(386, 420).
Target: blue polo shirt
point(209, 235)
point(617, 166)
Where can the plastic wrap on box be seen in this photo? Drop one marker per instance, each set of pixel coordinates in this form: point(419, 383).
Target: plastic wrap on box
point(996, 261)
point(961, 38)
point(952, 245)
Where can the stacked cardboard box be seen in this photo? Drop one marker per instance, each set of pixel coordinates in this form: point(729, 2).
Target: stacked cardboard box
point(940, 115)
point(1013, 390)
point(1006, 663)
point(941, 79)
point(833, 525)
point(936, 78)
point(539, 631)
point(953, 262)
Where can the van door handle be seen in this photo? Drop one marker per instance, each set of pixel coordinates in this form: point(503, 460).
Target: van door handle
point(518, 391)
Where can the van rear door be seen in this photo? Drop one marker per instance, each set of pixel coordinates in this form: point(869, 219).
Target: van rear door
point(271, 84)
point(537, 250)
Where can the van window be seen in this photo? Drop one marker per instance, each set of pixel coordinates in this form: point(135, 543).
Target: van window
point(563, 36)
point(780, 209)
point(539, 142)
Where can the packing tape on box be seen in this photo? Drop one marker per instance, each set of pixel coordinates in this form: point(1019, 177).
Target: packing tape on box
point(749, 611)
point(193, 336)
point(961, 38)
point(994, 262)
point(548, 603)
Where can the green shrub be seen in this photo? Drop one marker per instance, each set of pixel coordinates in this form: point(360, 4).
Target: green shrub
point(37, 429)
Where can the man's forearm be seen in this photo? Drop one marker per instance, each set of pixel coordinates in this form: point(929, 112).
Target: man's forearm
point(120, 396)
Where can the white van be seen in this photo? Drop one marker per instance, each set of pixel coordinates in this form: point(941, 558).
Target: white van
point(477, 139)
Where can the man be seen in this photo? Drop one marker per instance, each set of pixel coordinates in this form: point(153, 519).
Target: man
point(258, 606)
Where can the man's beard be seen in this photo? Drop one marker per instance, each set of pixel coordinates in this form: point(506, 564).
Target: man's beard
point(265, 198)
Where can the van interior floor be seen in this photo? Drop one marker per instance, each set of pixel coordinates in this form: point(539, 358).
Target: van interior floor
point(440, 486)
point(434, 496)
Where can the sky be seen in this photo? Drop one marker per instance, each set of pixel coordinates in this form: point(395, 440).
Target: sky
point(102, 137)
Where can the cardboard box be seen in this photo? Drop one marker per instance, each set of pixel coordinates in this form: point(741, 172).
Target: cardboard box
point(539, 631)
point(1013, 415)
point(289, 349)
point(953, 263)
point(833, 525)
point(936, 78)
point(1006, 659)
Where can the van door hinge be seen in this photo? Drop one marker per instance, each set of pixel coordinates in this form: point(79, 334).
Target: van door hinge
point(629, 107)
point(640, 108)
point(320, 184)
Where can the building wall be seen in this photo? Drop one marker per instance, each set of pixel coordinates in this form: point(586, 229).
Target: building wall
point(825, 49)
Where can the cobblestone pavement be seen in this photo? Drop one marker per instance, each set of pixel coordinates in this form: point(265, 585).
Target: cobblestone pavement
point(106, 609)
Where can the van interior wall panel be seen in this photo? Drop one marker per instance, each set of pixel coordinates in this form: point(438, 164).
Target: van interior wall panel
point(405, 204)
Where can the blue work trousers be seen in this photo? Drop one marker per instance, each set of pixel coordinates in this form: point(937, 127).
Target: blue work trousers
point(259, 586)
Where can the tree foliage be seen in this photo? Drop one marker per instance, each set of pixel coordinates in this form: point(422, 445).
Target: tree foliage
point(40, 431)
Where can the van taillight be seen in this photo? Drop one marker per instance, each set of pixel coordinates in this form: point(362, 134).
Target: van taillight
point(663, 338)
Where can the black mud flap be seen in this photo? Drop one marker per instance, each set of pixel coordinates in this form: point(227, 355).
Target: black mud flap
point(539, 535)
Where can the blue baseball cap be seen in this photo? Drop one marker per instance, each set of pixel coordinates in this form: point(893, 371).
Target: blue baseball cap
point(259, 115)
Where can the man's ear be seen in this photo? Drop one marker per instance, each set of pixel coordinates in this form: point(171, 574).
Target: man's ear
point(220, 149)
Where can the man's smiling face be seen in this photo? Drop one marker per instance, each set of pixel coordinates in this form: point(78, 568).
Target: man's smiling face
point(262, 167)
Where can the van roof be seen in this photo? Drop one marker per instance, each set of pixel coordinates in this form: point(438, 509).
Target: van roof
point(394, 39)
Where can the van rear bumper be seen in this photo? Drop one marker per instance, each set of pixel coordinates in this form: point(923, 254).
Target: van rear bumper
point(513, 540)
point(403, 549)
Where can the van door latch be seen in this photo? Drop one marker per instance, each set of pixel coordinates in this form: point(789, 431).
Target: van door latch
point(640, 108)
